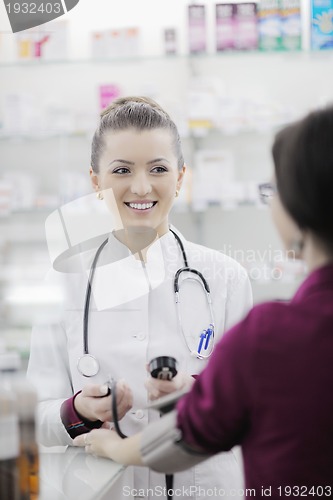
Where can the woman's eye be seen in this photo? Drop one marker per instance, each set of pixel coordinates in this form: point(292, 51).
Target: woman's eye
point(159, 169)
point(120, 170)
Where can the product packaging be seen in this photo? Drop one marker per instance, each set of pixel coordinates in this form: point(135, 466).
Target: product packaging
point(22, 114)
point(201, 110)
point(19, 455)
point(116, 43)
point(203, 96)
point(197, 28)
point(25, 43)
point(98, 45)
point(49, 42)
point(213, 174)
point(30, 44)
point(170, 41)
point(131, 42)
point(28, 461)
point(322, 25)
point(245, 26)
point(225, 26)
point(291, 26)
point(52, 42)
point(269, 25)
point(107, 44)
point(107, 93)
point(122, 43)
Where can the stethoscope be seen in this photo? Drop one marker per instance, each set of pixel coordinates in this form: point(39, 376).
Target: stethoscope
point(88, 365)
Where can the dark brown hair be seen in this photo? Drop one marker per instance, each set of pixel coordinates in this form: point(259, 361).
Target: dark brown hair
point(303, 160)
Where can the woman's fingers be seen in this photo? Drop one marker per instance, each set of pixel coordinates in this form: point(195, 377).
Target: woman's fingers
point(97, 442)
point(124, 398)
point(95, 390)
point(158, 388)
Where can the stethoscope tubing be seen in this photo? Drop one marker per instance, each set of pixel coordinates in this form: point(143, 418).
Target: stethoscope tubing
point(203, 282)
point(87, 364)
point(87, 298)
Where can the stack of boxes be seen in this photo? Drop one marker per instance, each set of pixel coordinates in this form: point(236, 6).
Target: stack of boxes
point(268, 25)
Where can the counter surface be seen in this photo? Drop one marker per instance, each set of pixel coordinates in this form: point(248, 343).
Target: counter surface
point(71, 474)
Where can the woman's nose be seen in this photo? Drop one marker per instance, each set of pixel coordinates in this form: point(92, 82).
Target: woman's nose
point(141, 185)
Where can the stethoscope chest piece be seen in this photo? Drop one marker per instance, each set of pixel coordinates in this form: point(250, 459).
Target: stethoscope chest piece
point(163, 367)
point(88, 365)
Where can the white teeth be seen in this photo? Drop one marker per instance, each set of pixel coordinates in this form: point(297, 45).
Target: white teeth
point(141, 206)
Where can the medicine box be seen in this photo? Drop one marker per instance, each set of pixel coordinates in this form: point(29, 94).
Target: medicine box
point(225, 26)
point(322, 24)
point(197, 28)
point(269, 25)
point(291, 26)
point(245, 26)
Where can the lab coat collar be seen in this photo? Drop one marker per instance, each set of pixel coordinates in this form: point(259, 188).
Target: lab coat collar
point(115, 250)
point(133, 278)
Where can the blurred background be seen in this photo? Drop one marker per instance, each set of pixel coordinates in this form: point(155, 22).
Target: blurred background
point(229, 74)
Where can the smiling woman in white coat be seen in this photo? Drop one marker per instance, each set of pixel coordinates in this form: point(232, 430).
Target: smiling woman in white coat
point(121, 309)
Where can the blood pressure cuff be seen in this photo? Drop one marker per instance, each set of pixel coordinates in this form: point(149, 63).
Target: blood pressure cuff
point(163, 450)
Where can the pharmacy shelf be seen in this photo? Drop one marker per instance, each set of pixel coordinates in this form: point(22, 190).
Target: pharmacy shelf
point(303, 54)
point(194, 132)
point(22, 228)
point(43, 135)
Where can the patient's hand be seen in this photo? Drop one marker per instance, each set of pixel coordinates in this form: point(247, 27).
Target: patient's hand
point(157, 388)
point(108, 444)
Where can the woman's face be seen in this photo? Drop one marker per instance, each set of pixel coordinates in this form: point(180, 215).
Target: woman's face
point(138, 171)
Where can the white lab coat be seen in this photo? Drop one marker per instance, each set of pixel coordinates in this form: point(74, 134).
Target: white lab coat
point(133, 318)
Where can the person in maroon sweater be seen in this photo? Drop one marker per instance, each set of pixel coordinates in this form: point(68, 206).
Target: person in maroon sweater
point(269, 384)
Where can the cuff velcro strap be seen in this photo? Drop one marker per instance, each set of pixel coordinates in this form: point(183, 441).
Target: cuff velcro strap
point(163, 450)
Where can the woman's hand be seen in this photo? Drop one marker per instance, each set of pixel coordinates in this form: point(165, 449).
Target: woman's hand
point(157, 388)
point(101, 442)
point(93, 404)
point(108, 444)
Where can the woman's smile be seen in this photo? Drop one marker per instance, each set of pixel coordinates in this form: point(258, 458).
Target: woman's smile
point(142, 206)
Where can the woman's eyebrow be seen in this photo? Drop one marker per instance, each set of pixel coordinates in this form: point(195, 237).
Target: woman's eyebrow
point(156, 160)
point(126, 162)
point(122, 161)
